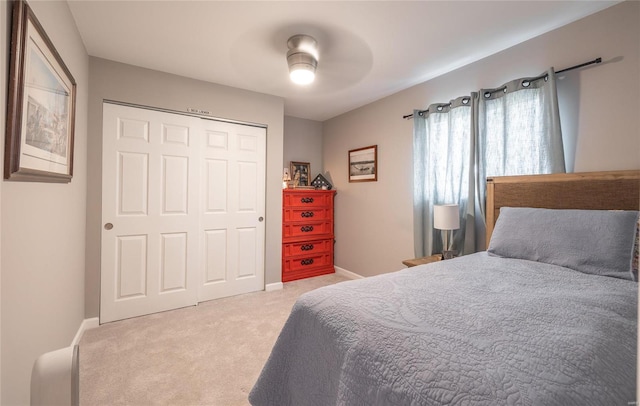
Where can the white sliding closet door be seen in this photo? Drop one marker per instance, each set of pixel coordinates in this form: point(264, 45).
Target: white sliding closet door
point(233, 206)
point(161, 184)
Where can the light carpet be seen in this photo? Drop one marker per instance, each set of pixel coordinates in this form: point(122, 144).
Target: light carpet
point(210, 354)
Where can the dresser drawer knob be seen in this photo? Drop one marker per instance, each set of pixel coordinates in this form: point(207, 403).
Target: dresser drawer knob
point(306, 261)
point(306, 214)
point(307, 200)
point(307, 247)
point(306, 229)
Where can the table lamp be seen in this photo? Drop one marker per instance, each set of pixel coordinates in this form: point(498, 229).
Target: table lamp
point(446, 217)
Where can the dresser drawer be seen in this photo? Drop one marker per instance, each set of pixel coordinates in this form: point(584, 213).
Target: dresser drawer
point(307, 199)
point(304, 214)
point(307, 263)
point(307, 230)
point(307, 248)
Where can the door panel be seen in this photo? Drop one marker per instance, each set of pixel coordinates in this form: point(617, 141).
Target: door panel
point(174, 262)
point(215, 250)
point(175, 134)
point(247, 253)
point(133, 179)
point(132, 269)
point(216, 186)
point(133, 129)
point(247, 173)
point(175, 184)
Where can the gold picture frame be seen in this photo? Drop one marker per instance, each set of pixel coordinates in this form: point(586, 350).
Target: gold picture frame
point(300, 173)
point(41, 105)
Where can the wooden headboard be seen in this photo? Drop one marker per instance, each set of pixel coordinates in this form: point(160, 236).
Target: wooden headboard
point(615, 190)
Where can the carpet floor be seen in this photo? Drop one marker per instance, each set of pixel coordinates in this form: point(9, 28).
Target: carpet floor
point(209, 354)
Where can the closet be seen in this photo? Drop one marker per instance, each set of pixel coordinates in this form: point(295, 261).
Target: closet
point(183, 205)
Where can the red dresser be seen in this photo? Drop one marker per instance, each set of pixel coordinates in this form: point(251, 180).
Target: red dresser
point(307, 233)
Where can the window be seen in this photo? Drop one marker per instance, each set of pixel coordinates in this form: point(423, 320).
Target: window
point(511, 130)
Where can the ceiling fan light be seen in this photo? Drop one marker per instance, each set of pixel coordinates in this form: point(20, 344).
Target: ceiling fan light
point(301, 75)
point(302, 59)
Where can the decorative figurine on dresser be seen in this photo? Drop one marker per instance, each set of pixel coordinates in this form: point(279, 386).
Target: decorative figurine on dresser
point(307, 233)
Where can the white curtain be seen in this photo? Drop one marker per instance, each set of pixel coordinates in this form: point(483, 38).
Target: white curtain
point(510, 130)
point(441, 166)
point(519, 130)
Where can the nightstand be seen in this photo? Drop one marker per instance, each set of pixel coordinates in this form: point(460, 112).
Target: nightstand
point(423, 260)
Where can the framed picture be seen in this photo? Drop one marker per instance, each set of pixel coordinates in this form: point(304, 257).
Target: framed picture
point(299, 173)
point(363, 164)
point(41, 105)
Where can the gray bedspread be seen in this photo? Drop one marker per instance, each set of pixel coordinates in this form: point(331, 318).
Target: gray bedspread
point(476, 330)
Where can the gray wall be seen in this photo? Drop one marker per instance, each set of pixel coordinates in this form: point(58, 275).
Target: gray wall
point(43, 232)
point(126, 83)
point(599, 109)
point(303, 143)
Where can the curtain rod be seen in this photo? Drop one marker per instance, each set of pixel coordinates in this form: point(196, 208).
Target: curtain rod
point(597, 60)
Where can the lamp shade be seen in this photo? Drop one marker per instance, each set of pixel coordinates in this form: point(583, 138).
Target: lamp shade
point(446, 217)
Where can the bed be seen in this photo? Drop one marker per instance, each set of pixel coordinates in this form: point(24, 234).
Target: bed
point(546, 316)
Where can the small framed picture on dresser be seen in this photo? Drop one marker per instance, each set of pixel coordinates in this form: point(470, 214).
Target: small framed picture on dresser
point(300, 173)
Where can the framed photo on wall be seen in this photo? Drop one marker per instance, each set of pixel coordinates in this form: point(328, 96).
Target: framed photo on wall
point(41, 105)
point(363, 164)
point(299, 173)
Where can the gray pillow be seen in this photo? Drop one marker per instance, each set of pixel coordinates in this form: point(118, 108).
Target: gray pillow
point(598, 242)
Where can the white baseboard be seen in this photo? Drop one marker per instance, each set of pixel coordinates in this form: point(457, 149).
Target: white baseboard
point(86, 324)
point(339, 271)
point(347, 274)
point(273, 286)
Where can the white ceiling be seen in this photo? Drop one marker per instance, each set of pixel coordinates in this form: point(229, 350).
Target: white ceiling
point(368, 49)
